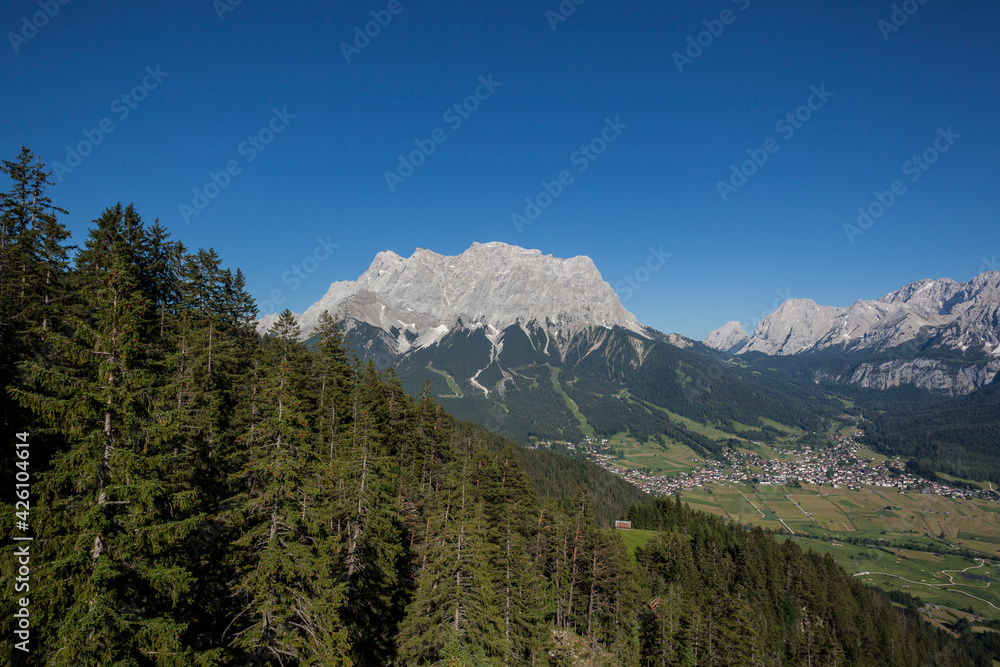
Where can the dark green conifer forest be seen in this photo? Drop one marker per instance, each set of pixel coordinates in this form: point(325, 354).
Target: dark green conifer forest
point(202, 495)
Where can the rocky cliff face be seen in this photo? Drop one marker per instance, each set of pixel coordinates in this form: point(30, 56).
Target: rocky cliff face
point(938, 313)
point(925, 319)
point(937, 376)
point(491, 286)
point(730, 337)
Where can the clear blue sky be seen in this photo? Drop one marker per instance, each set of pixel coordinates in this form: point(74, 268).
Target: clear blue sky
point(780, 234)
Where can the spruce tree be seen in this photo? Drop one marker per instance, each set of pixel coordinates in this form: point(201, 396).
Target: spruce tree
point(289, 596)
point(33, 291)
point(116, 504)
point(332, 373)
point(454, 616)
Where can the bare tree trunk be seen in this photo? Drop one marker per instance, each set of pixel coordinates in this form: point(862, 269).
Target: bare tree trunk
point(573, 569)
point(356, 532)
point(507, 596)
point(333, 428)
point(102, 495)
point(458, 558)
point(593, 590)
point(427, 537)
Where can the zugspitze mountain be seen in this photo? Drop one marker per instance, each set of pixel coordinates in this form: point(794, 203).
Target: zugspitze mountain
point(491, 285)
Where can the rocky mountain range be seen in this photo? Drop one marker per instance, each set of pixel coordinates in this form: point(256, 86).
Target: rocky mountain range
point(537, 346)
point(490, 286)
point(532, 345)
point(940, 335)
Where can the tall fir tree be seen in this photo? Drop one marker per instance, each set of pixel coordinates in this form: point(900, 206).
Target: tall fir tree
point(287, 558)
point(116, 504)
point(453, 617)
point(33, 292)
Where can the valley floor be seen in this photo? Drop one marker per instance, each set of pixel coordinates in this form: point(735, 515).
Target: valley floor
point(892, 529)
point(843, 465)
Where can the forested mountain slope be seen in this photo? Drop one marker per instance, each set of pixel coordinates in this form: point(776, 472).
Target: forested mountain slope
point(201, 495)
point(558, 477)
point(958, 436)
point(616, 380)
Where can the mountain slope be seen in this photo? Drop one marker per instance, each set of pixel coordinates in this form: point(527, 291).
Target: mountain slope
point(939, 335)
point(933, 313)
point(958, 436)
point(610, 381)
point(729, 338)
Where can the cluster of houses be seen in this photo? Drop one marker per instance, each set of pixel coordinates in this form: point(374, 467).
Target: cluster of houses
point(839, 465)
point(591, 448)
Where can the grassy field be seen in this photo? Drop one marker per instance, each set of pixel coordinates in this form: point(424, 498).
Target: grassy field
point(787, 430)
point(952, 478)
point(931, 521)
point(456, 390)
point(636, 538)
point(951, 581)
point(670, 460)
point(695, 427)
point(874, 512)
point(874, 457)
point(586, 428)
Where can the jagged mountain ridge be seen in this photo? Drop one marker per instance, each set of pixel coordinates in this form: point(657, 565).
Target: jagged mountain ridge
point(939, 335)
point(534, 346)
point(493, 286)
point(945, 313)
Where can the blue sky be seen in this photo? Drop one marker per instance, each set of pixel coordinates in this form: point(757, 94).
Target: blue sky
point(325, 131)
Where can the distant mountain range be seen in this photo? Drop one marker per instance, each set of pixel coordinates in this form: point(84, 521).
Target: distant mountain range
point(536, 346)
point(939, 335)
